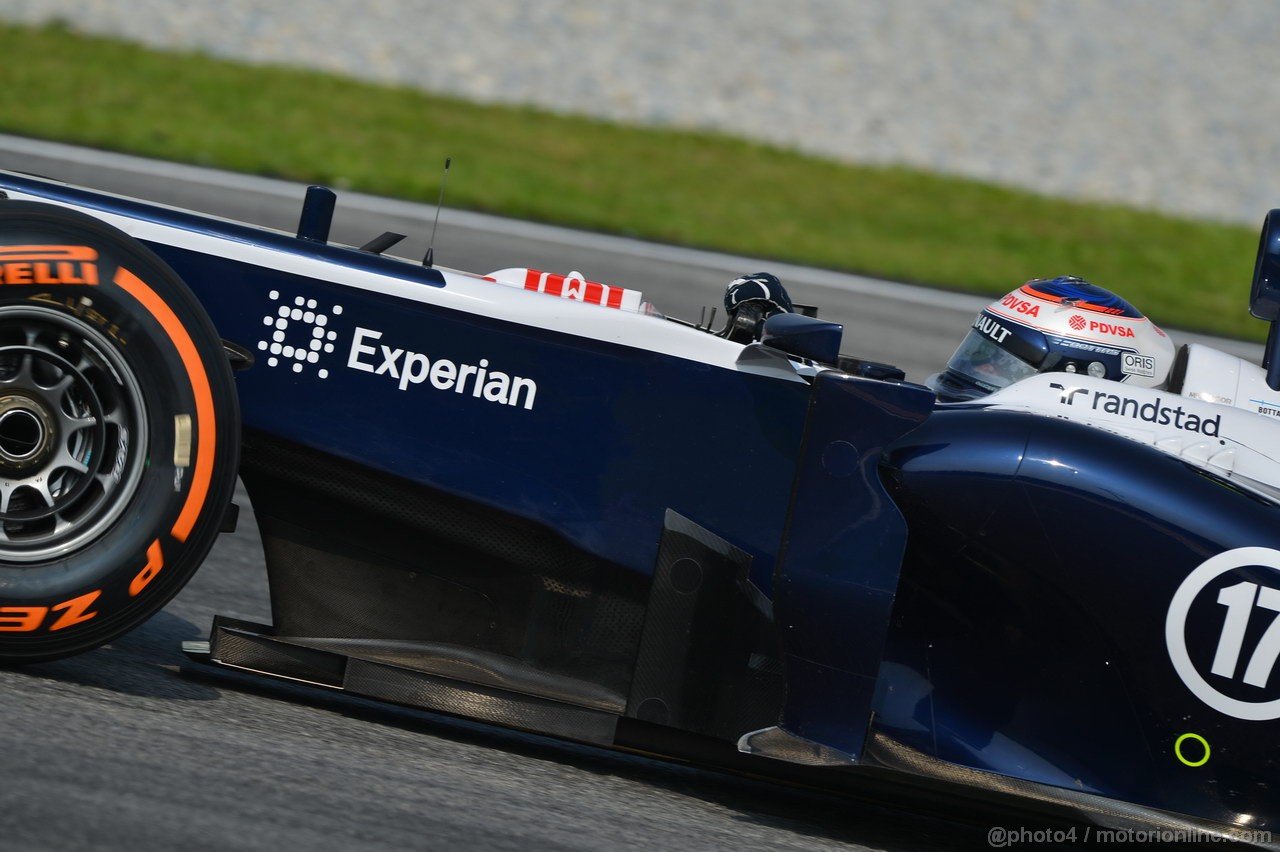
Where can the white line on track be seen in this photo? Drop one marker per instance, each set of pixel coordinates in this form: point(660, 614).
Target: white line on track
point(516, 228)
point(495, 224)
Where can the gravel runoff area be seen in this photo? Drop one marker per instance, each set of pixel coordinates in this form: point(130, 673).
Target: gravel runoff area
point(1167, 104)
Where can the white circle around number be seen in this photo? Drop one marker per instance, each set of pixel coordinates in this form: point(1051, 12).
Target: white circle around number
point(1175, 631)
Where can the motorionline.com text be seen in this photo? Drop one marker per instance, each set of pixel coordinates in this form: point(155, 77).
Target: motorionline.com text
point(1001, 837)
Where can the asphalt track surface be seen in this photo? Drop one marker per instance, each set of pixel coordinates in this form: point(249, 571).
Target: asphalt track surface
point(131, 747)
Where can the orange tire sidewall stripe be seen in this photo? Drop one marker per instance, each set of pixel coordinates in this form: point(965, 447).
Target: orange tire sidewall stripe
point(206, 440)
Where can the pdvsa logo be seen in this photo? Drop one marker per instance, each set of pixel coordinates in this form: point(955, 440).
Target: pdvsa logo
point(1021, 306)
point(1222, 632)
point(298, 334)
point(1108, 328)
point(1077, 322)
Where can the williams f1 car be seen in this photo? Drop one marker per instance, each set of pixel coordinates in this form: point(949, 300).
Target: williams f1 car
point(489, 496)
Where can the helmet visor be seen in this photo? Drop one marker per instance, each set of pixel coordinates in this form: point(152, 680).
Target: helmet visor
point(987, 364)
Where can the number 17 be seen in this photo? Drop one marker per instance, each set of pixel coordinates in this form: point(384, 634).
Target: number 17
point(1240, 603)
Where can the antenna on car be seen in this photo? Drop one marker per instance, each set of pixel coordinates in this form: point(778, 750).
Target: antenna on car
point(428, 258)
point(703, 318)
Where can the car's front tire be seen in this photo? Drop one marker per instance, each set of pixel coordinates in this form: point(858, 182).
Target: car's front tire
point(119, 432)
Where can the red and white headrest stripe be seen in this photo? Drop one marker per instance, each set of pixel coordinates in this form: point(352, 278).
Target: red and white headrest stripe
point(572, 286)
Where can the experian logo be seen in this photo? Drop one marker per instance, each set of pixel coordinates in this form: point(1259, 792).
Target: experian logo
point(414, 368)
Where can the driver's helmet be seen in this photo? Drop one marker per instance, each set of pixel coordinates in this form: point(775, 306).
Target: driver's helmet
point(1055, 325)
point(749, 301)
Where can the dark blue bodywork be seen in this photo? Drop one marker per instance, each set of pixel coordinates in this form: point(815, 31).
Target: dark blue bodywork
point(1029, 630)
point(987, 589)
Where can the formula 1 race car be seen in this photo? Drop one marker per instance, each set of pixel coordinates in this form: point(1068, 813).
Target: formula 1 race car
point(489, 496)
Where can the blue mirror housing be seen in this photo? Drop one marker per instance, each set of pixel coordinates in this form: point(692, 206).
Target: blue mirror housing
point(317, 214)
point(1264, 297)
point(806, 337)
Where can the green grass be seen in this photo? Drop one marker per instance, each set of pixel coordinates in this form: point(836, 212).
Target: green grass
point(686, 188)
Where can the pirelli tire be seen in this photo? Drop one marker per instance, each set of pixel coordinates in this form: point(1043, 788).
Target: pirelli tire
point(119, 432)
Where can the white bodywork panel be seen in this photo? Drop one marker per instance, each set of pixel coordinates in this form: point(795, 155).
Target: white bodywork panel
point(1225, 419)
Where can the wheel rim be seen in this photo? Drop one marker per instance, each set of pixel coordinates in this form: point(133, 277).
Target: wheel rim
point(73, 433)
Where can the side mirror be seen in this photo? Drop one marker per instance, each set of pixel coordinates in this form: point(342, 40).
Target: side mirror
point(806, 337)
point(1264, 297)
point(317, 214)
